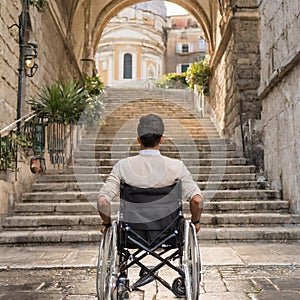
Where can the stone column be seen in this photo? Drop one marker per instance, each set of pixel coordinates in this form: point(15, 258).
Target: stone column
point(88, 63)
point(236, 77)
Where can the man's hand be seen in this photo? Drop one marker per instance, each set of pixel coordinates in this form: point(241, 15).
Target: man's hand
point(196, 207)
point(197, 227)
point(103, 227)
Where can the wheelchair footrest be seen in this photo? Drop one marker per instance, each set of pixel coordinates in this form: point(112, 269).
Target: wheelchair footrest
point(145, 279)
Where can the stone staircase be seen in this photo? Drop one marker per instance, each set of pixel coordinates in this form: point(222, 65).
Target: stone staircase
point(62, 204)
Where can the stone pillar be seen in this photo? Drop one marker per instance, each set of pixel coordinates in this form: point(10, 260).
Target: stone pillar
point(88, 63)
point(236, 76)
point(246, 80)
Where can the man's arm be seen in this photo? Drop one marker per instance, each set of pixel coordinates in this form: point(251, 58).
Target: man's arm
point(196, 208)
point(105, 212)
point(110, 189)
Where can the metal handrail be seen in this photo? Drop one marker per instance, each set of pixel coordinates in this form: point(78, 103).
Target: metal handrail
point(14, 125)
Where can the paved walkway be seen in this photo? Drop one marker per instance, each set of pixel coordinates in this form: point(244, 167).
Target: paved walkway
point(232, 271)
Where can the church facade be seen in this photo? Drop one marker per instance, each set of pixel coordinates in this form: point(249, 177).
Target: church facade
point(132, 46)
point(142, 43)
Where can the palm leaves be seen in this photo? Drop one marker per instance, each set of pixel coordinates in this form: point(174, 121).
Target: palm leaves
point(60, 102)
point(71, 101)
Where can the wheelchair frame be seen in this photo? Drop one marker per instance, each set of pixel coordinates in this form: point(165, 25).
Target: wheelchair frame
point(114, 261)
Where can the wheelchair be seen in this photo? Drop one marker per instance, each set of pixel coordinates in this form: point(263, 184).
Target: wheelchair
point(150, 223)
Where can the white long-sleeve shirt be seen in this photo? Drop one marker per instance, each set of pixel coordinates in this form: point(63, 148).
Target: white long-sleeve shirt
point(149, 169)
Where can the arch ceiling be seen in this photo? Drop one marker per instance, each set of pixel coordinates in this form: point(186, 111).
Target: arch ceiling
point(100, 13)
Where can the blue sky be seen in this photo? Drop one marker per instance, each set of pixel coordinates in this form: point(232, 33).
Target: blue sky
point(174, 9)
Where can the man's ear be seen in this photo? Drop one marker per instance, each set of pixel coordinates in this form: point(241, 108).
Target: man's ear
point(162, 139)
point(139, 140)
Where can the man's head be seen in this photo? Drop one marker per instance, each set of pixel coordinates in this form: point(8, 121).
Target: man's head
point(150, 130)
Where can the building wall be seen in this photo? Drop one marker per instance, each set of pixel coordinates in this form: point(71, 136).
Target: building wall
point(8, 61)
point(183, 30)
point(279, 91)
point(55, 61)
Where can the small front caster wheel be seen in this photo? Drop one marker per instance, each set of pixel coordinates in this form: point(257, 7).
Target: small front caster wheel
point(178, 287)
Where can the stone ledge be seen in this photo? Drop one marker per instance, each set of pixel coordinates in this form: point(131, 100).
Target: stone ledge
point(286, 65)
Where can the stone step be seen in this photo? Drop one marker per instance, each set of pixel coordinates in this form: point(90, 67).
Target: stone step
point(125, 117)
point(163, 148)
point(155, 104)
point(187, 161)
point(192, 116)
point(171, 154)
point(133, 136)
point(267, 233)
point(264, 233)
point(167, 134)
point(105, 130)
point(45, 222)
point(130, 124)
point(124, 98)
point(60, 208)
point(175, 127)
point(223, 195)
point(228, 169)
point(97, 185)
point(145, 100)
point(176, 141)
point(101, 177)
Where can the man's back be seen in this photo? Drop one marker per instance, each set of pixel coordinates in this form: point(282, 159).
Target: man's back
point(150, 169)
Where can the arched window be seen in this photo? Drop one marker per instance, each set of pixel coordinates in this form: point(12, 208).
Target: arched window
point(127, 72)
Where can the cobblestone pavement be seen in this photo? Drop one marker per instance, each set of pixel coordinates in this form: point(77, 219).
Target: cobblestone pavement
point(234, 271)
point(222, 283)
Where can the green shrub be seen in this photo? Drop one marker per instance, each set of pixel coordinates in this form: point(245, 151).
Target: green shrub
point(172, 81)
point(198, 74)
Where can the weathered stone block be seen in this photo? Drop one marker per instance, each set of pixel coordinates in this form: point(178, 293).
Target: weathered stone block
point(245, 3)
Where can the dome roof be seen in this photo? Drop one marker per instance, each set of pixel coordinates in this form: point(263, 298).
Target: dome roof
point(155, 6)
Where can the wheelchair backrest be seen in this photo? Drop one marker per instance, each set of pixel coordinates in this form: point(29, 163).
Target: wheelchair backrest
point(150, 208)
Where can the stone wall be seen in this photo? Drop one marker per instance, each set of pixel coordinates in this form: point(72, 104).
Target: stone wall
point(11, 190)
point(279, 91)
point(55, 60)
point(234, 97)
point(9, 53)
point(221, 87)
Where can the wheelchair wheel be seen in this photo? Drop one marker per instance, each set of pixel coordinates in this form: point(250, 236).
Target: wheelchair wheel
point(191, 262)
point(178, 287)
point(107, 265)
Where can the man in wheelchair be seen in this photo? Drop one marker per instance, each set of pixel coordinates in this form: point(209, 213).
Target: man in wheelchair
point(150, 222)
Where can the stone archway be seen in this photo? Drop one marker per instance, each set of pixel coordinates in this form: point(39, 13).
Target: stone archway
point(69, 30)
point(91, 18)
point(232, 31)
